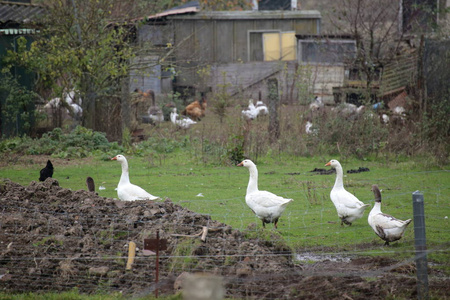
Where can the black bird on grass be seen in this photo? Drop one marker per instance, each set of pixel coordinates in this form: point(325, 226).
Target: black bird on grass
point(47, 171)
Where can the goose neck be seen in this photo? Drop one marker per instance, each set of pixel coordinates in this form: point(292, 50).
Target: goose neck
point(376, 207)
point(253, 181)
point(125, 177)
point(339, 177)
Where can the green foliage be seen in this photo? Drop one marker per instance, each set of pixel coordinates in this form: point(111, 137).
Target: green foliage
point(126, 139)
point(81, 142)
point(18, 106)
point(74, 294)
point(436, 128)
point(163, 145)
point(81, 50)
point(236, 149)
point(222, 99)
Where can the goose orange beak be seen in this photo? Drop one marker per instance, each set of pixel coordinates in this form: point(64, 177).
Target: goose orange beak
point(328, 164)
point(241, 164)
point(114, 158)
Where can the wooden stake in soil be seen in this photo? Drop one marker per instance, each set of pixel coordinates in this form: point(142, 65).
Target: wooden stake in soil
point(131, 255)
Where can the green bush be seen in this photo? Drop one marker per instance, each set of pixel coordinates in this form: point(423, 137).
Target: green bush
point(81, 142)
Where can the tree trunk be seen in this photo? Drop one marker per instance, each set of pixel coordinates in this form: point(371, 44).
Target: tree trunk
point(88, 104)
point(125, 105)
point(274, 124)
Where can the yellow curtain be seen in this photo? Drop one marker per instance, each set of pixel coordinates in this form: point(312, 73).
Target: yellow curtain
point(288, 49)
point(272, 44)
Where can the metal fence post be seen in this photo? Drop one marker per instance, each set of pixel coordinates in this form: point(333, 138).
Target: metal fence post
point(420, 244)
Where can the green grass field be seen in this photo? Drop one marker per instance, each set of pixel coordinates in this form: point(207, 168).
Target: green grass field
point(310, 223)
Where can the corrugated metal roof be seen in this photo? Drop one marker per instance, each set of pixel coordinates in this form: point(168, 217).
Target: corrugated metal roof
point(19, 12)
point(15, 31)
point(256, 15)
point(174, 12)
point(190, 7)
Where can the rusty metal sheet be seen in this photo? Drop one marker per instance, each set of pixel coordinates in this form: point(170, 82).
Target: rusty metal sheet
point(152, 244)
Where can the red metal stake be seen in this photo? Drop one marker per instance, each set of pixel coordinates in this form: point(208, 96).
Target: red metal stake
point(156, 245)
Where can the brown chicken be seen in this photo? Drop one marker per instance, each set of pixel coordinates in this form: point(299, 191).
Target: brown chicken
point(196, 109)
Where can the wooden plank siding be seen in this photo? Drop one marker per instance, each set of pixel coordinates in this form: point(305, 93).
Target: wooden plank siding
point(399, 73)
point(215, 38)
point(224, 51)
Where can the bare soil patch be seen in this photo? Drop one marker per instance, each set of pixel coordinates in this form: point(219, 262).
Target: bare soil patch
point(54, 239)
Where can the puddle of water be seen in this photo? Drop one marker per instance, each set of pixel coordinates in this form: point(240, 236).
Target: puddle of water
point(322, 257)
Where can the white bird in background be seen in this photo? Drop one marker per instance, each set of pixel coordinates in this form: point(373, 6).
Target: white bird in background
point(399, 110)
point(267, 206)
point(127, 191)
point(261, 108)
point(316, 104)
point(385, 226)
point(154, 112)
point(309, 128)
point(53, 103)
point(69, 99)
point(182, 122)
point(252, 111)
point(348, 207)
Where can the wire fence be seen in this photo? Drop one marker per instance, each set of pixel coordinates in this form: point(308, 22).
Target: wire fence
point(55, 239)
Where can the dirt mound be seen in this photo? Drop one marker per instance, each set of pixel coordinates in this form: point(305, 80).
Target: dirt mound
point(55, 239)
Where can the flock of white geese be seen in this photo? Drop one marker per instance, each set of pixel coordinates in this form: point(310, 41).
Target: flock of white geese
point(269, 207)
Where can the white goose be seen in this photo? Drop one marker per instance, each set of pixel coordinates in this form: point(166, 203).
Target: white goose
point(127, 191)
point(385, 226)
point(266, 205)
point(348, 207)
point(183, 122)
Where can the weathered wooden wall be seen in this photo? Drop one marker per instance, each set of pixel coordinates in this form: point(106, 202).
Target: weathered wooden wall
point(248, 79)
point(208, 38)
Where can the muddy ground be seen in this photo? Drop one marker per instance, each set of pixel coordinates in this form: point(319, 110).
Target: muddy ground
point(54, 239)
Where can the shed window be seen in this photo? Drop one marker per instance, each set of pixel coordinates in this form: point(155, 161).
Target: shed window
point(272, 45)
point(327, 51)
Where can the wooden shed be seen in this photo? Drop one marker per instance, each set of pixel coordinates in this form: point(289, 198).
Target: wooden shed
point(236, 49)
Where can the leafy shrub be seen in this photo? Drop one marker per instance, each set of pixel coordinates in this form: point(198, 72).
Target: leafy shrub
point(236, 149)
point(18, 106)
point(81, 142)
